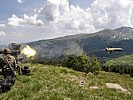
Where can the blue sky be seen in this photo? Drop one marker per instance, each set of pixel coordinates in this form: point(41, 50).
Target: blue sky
point(9, 7)
point(31, 20)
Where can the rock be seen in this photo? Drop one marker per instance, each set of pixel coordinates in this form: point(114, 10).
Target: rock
point(82, 83)
point(90, 73)
point(80, 80)
point(117, 87)
point(94, 87)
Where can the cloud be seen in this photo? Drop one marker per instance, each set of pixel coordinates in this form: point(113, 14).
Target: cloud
point(112, 13)
point(66, 17)
point(26, 20)
point(20, 1)
point(2, 25)
point(15, 21)
point(100, 14)
point(2, 33)
point(58, 16)
point(54, 9)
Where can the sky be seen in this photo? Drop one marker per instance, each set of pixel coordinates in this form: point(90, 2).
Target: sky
point(31, 20)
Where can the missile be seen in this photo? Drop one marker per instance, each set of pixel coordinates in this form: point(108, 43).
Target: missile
point(110, 50)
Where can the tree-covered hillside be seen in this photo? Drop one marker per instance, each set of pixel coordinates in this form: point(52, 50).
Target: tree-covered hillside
point(127, 60)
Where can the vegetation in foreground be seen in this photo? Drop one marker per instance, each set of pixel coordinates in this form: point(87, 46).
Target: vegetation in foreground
point(58, 83)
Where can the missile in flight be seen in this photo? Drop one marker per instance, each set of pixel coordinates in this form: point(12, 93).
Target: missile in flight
point(110, 50)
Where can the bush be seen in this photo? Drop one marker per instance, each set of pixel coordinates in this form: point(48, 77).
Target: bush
point(83, 63)
point(95, 65)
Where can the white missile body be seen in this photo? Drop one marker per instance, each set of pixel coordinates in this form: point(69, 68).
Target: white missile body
point(110, 50)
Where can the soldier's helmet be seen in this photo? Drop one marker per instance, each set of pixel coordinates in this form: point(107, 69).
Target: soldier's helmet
point(7, 51)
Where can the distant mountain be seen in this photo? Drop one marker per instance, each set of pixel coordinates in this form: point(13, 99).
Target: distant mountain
point(94, 44)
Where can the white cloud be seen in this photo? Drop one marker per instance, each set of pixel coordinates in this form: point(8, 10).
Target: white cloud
point(112, 13)
point(54, 9)
point(15, 21)
point(58, 16)
point(2, 33)
point(101, 14)
point(35, 10)
point(26, 20)
point(20, 1)
point(2, 25)
point(66, 17)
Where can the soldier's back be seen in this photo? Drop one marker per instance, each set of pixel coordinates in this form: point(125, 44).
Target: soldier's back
point(10, 63)
point(10, 58)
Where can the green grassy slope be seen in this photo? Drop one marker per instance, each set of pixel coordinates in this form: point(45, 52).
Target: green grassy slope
point(128, 59)
point(57, 83)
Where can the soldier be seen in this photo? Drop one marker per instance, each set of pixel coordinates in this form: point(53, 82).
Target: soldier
point(10, 63)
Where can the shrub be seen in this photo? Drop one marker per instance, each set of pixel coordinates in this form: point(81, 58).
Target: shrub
point(95, 65)
point(83, 63)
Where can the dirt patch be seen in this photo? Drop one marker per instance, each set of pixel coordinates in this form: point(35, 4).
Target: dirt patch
point(94, 87)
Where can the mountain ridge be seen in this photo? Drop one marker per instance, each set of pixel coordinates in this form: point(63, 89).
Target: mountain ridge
point(93, 44)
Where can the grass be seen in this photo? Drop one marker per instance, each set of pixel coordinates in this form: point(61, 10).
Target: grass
point(57, 83)
point(128, 59)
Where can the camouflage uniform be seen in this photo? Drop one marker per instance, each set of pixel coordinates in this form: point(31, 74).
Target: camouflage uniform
point(9, 61)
